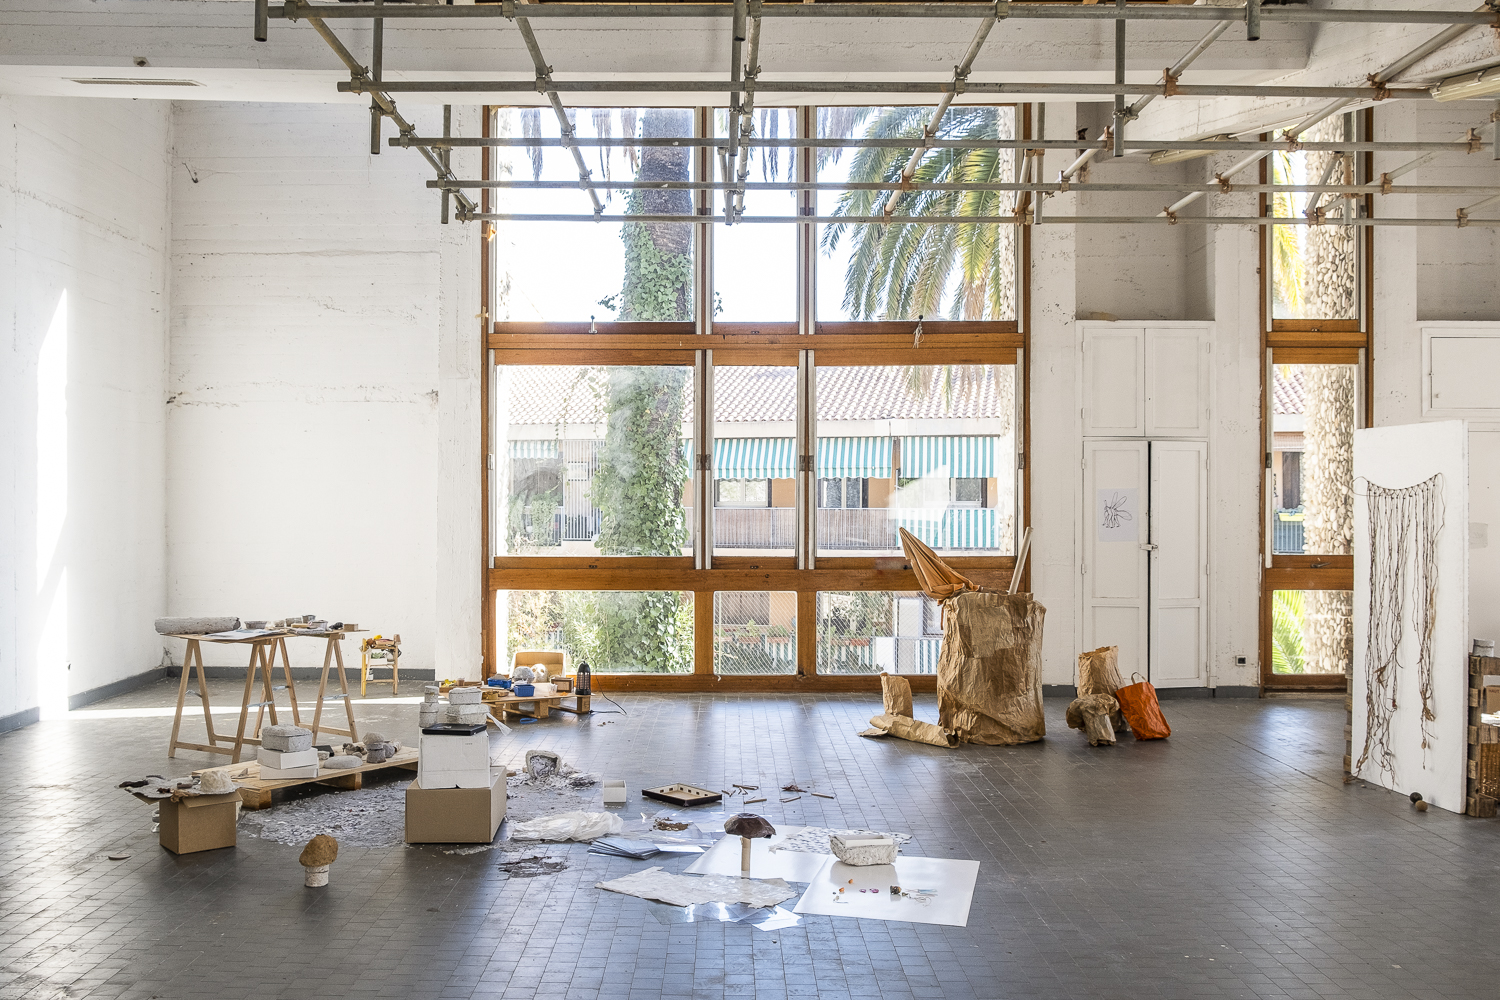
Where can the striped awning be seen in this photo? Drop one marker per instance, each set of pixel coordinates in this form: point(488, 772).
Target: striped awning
point(963, 456)
point(755, 458)
point(958, 528)
point(534, 449)
point(854, 458)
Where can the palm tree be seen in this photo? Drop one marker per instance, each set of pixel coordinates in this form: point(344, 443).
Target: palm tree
point(903, 270)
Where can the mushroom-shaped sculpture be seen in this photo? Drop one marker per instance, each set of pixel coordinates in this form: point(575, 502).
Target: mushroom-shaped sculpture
point(747, 826)
point(319, 853)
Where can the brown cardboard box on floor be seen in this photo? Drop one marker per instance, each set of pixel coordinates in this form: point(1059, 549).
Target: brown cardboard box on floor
point(199, 822)
point(455, 815)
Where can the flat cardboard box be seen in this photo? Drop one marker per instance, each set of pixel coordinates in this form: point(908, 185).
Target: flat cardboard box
point(278, 773)
point(1491, 699)
point(454, 761)
point(455, 815)
point(199, 822)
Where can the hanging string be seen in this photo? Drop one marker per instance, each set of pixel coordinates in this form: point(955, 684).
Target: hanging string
point(1404, 527)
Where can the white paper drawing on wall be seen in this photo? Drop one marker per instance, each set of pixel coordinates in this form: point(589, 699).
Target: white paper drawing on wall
point(1117, 515)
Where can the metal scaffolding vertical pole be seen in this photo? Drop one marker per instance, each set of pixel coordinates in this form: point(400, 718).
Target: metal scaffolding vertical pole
point(1119, 149)
point(745, 121)
point(736, 53)
point(446, 155)
point(262, 19)
point(1252, 20)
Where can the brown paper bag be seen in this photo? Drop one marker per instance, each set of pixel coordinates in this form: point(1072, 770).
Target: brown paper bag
point(896, 691)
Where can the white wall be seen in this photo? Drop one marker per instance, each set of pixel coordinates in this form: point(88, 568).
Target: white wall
point(83, 288)
point(323, 420)
point(1424, 275)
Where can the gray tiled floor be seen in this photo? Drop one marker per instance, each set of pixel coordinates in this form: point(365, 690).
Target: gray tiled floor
point(1230, 861)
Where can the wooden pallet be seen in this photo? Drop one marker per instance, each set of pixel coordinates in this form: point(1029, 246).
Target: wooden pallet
point(1482, 739)
point(256, 794)
point(537, 707)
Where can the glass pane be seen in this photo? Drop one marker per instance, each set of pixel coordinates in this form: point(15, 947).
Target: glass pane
point(1312, 459)
point(755, 633)
point(1312, 631)
point(593, 460)
point(755, 461)
point(755, 263)
point(551, 271)
point(928, 449)
point(902, 271)
point(1315, 269)
point(869, 632)
point(613, 631)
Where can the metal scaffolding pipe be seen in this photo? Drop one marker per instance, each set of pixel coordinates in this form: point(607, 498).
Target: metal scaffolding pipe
point(1142, 145)
point(1409, 166)
point(1001, 220)
point(388, 107)
point(960, 76)
point(737, 41)
point(544, 84)
point(1176, 69)
point(746, 119)
point(293, 9)
point(1119, 116)
point(1034, 185)
point(1371, 93)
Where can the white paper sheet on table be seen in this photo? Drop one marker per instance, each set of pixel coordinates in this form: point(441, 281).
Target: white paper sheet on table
point(766, 861)
point(684, 890)
point(953, 880)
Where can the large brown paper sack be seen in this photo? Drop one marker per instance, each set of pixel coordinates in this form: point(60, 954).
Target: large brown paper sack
point(1099, 673)
point(896, 692)
point(911, 729)
point(989, 680)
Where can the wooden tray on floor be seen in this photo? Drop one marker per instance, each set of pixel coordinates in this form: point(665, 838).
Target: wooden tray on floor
point(256, 794)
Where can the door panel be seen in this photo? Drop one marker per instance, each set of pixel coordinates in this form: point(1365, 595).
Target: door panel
point(1176, 382)
point(1115, 530)
point(1179, 563)
point(1114, 382)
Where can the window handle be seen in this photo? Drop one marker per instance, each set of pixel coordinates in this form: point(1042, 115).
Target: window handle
point(1148, 547)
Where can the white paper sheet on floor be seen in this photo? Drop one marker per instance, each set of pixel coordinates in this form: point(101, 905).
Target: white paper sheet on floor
point(953, 880)
point(684, 890)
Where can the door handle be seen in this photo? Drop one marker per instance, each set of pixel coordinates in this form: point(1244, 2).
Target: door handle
point(1148, 547)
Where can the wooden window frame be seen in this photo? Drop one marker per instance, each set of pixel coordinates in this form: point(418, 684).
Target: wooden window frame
point(741, 343)
point(1313, 341)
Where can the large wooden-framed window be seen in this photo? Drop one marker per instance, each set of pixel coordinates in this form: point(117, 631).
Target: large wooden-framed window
point(1316, 318)
point(791, 431)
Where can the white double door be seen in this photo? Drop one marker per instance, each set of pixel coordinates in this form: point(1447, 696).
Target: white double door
point(1145, 567)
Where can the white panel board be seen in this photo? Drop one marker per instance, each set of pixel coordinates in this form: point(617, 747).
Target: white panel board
point(1179, 563)
point(1398, 457)
point(1115, 582)
point(1177, 382)
point(867, 891)
point(1460, 361)
point(1114, 381)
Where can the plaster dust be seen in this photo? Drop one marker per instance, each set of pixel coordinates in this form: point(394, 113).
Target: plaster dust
point(366, 817)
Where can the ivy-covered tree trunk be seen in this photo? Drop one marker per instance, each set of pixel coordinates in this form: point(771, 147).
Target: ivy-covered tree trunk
point(1328, 483)
point(642, 472)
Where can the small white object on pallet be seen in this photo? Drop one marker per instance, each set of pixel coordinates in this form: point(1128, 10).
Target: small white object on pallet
point(614, 793)
point(285, 759)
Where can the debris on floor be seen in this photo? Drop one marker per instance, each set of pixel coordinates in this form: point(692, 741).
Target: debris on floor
point(366, 817)
point(532, 867)
point(684, 890)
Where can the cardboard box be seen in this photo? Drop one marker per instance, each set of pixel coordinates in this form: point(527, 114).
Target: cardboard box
point(452, 761)
point(455, 815)
point(278, 773)
point(1491, 699)
point(199, 822)
point(284, 759)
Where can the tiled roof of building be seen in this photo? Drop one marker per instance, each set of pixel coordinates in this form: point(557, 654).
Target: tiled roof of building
point(1288, 392)
point(549, 394)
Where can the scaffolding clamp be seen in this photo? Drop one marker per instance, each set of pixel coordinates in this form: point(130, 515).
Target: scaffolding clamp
point(1169, 82)
point(1224, 185)
point(1472, 138)
point(289, 10)
point(508, 8)
point(1171, 215)
point(1002, 9)
point(1463, 218)
point(1385, 183)
point(1062, 182)
point(1382, 88)
point(1292, 144)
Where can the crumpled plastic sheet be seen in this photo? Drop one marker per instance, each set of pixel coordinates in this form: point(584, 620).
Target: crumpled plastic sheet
point(568, 826)
point(764, 918)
